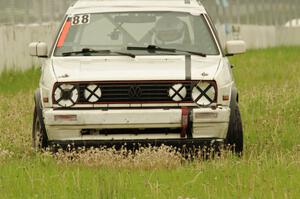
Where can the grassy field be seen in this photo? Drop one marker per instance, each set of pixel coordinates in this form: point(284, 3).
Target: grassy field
point(268, 81)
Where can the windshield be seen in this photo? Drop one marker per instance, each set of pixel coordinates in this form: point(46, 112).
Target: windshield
point(117, 31)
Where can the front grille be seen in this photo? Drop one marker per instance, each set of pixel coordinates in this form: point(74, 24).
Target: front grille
point(136, 92)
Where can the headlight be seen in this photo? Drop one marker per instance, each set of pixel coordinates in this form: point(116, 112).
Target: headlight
point(92, 93)
point(66, 95)
point(204, 93)
point(177, 92)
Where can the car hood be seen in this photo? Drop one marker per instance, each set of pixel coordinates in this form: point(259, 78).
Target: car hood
point(70, 69)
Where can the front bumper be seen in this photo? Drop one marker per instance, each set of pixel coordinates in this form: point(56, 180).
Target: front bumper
point(207, 124)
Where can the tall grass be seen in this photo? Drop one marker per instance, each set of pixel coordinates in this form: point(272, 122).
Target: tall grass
point(268, 81)
point(13, 81)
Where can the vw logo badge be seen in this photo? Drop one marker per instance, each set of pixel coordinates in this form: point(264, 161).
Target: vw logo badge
point(135, 92)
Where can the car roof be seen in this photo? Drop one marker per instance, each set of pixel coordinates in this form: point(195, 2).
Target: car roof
point(94, 6)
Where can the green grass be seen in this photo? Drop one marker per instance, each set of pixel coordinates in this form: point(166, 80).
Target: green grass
point(268, 81)
point(17, 81)
point(42, 178)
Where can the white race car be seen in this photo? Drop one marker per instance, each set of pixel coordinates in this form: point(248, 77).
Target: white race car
point(133, 72)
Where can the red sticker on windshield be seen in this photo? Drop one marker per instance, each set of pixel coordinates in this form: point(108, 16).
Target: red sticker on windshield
point(64, 34)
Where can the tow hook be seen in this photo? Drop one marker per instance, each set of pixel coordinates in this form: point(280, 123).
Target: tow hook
point(185, 121)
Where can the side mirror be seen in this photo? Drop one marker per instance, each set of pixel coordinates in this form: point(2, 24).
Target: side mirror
point(38, 49)
point(235, 47)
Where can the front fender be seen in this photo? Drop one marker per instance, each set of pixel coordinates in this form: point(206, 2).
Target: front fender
point(234, 97)
point(38, 103)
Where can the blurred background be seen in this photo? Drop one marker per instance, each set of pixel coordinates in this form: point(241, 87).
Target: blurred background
point(261, 23)
point(254, 12)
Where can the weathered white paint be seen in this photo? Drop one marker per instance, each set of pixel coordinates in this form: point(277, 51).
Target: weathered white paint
point(14, 40)
point(117, 68)
point(204, 127)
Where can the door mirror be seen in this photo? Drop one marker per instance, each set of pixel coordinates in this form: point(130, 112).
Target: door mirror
point(235, 47)
point(38, 49)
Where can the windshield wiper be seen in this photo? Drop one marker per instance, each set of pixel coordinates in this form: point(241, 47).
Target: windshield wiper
point(154, 48)
point(89, 51)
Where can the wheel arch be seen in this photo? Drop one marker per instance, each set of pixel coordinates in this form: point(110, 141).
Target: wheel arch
point(38, 105)
point(38, 113)
point(234, 97)
point(235, 129)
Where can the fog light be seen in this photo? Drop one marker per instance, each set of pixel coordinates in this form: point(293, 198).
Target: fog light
point(66, 95)
point(178, 92)
point(92, 93)
point(204, 94)
point(69, 118)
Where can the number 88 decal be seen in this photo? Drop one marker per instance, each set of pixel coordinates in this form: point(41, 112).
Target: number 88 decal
point(81, 19)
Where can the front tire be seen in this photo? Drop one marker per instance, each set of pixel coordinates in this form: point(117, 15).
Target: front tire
point(234, 139)
point(39, 134)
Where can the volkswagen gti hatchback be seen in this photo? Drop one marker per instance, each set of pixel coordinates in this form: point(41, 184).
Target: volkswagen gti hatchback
point(128, 72)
